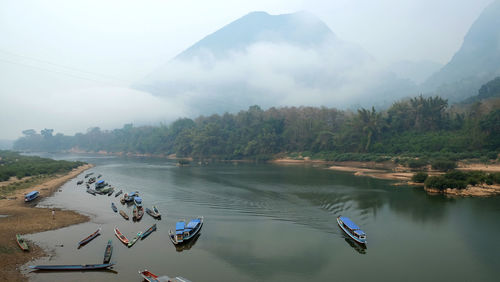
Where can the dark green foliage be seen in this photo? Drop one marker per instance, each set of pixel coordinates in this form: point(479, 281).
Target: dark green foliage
point(14, 164)
point(443, 165)
point(441, 183)
point(417, 163)
point(419, 177)
point(460, 180)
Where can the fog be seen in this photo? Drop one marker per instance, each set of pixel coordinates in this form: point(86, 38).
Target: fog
point(70, 65)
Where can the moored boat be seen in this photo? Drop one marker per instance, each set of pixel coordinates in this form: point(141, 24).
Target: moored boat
point(79, 182)
point(114, 207)
point(351, 229)
point(138, 201)
point(137, 213)
point(131, 243)
point(121, 237)
point(100, 184)
point(111, 191)
point(91, 191)
point(185, 232)
point(31, 196)
point(108, 252)
point(89, 238)
point(122, 213)
point(149, 231)
point(22, 243)
point(150, 277)
point(73, 267)
point(118, 193)
point(153, 214)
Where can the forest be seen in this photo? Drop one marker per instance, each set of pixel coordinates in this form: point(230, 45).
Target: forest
point(424, 127)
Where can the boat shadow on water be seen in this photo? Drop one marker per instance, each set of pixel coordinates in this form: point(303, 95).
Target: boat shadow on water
point(360, 248)
point(186, 246)
point(110, 271)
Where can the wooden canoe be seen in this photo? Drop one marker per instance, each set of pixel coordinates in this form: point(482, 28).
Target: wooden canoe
point(131, 243)
point(89, 238)
point(122, 213)
point(72, 267)
point(149, 231)
point(22, 244)
point(108, 252)
point(121, 237)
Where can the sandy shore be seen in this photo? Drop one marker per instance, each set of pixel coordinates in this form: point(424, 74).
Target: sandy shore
point(22, 218)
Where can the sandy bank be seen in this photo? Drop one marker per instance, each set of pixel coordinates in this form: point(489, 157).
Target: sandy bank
point(24, 218)
point(484, 167)
point(471, 191)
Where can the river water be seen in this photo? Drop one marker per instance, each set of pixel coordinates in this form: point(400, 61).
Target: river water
point(268, 222)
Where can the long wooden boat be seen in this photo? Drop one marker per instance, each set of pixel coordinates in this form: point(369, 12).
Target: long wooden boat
point(131, 243)
point(122, 213)
point(91, 191)
point(185, 232)
point(111, 191)
point(89, 238)
point(154, 214)
point(351, 229)
point(108, 252)
point(73, 267)
point(149, 231)
point(121, 237)
point(138, 213)
point(150, 277)
point(22, 244)
point(113, 207)
point(79, 182)
point(118, 193)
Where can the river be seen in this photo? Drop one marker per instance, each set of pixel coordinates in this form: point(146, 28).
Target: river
point(267, 222)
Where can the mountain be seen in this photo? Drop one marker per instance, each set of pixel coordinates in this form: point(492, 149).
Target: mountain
point(273, 60)
point(416, 71)
point(476, 62)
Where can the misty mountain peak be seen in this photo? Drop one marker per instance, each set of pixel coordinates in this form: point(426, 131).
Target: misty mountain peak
point(300, 28)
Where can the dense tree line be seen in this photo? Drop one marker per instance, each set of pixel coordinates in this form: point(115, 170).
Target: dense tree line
point(420, 126)
point(14, 164)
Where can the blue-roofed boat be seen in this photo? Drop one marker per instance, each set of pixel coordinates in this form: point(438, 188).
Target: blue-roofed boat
point(352, 229)
point(114, 207)
point(185, 232)
point(138, 201)
point(73, 267)
point(100, 184)
point(31, 196)
point(89, 238)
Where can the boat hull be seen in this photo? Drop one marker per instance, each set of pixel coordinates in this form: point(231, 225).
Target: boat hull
point(339, 222)
point(185, 240)
point(72, 267)
point(89, 238)
point(121, 237)
point(149, 231)
point(108, 252)
point(22, 244)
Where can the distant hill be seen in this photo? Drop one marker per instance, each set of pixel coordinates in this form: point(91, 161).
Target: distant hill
point(274, 60)
point(418, 71)
point(487, 91)
point(475, 63)
point(6, 144)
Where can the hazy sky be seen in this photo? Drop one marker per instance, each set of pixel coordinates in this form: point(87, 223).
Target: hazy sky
point(67, 65)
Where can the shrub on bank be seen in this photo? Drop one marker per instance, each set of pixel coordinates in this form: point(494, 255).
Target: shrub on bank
point(419, 177)
point(443, 165)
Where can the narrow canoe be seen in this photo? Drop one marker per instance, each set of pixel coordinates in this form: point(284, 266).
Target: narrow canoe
point(72, 267)
point(135, 239)
point(153, 213)
point(155, 209)
point(134, 214)
point(122, 213)
point(90, 237)
point(118, 193)
point(140, 213)
point(121, 237)
point(114, 207)
point(108, 252)
point(111, 191)
point(149, 231)
point(91, 191)
point(22, 244)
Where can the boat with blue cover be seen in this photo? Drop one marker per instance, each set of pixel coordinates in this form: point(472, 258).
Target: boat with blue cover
point(31, 196)
point(138, 201)
point(100, 184)
point(73, 267)
point(185, 232)
point(114, 207)
point(352, 229)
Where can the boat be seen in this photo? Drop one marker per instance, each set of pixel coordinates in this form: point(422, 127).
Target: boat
point(104, 191)
point(121, 237)
point(89, 238)
point(91, 180)
point(73, 267)
point(108, 252)
point(22, 244)
point(111, 191)
point(185, 232)
point(79, 182)
point(91, 191)
point(131, 243)
point(99, 176)
point(352, 229)
point(150, 277)
point(149, 231)
point(88, 174)
point(138, 213)
point(100, 184)
point(155, 209)
point(31, 196)
point(153, 214)
point(118, 193)
point(122, 213)
point(138, 201)
point(114, 207)
point(129, 197)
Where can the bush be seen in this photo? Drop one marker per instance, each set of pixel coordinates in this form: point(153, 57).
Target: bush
point(492, 155)
point(419, 177)
point(441, 183)
point(417, 163)
point(443, 165)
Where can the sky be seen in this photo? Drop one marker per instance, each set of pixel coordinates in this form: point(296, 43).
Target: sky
point(68, 65)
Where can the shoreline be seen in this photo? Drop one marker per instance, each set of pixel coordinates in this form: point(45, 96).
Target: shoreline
point(23, 218)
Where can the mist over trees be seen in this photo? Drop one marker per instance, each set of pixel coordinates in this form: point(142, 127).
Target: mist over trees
point(420, 125)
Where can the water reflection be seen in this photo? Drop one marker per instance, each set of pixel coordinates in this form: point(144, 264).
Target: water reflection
point(355, 245)
point(188, 245)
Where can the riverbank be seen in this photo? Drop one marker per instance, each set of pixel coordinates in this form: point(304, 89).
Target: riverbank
point(21, 218)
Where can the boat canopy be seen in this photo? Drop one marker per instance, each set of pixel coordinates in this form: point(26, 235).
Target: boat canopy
point(138, 199)
point(349, 223)
point(193, 223)
point(360, 232)
point(100, 181)
point(179, 227)
point(133, 194)
point(31, 194)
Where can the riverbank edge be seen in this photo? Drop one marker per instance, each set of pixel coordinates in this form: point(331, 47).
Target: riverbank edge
point(23, 218)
